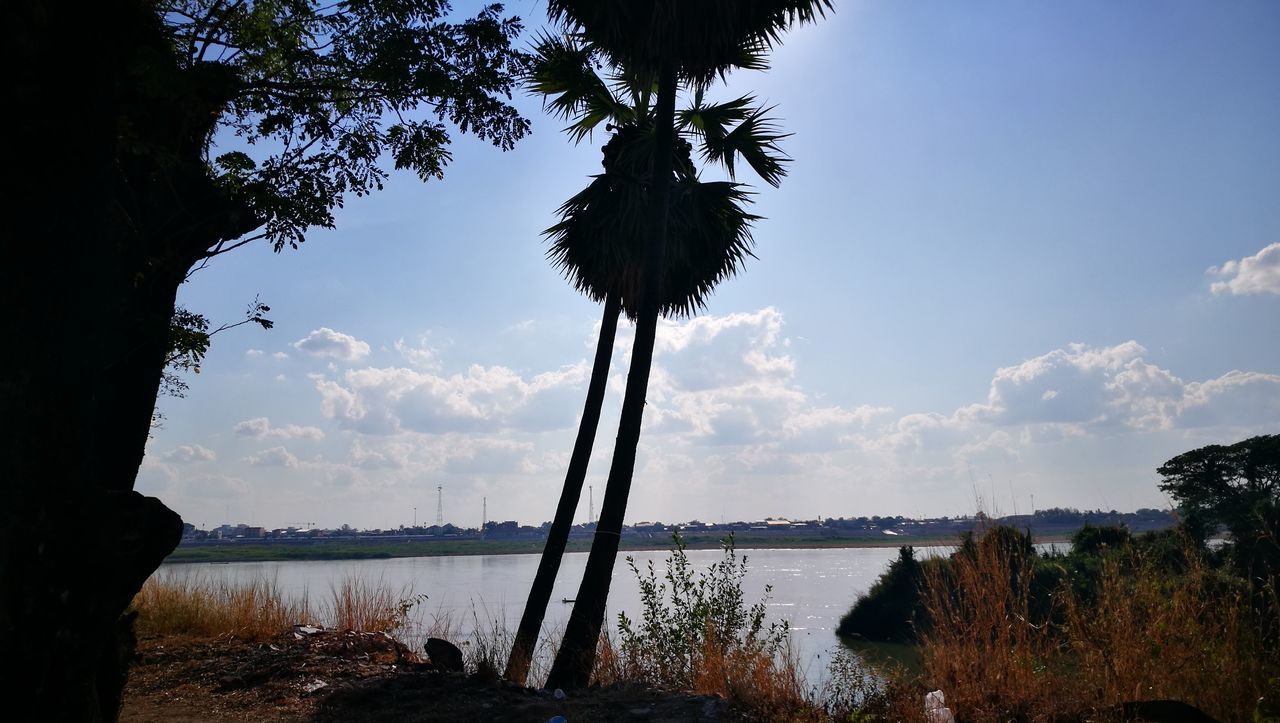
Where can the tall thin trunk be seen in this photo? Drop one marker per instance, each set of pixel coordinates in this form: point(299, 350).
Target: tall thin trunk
point(552, 553)
point(573, 663)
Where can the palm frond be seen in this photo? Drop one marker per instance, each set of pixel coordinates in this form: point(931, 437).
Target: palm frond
point(702, 38)
point(713, 121)
point(564, 74)
point(754, 139)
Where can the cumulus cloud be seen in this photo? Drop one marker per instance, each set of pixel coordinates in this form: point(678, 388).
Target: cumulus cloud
point(261, 428)
point(273, 457)
point(1257, 274)
point(1086, 388)
point(189, 453)
point(325, 342)
point(392, 399)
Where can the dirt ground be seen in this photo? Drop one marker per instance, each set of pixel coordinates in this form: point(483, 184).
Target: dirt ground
point(332, 676)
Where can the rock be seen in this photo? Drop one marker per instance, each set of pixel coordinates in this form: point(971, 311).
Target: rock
point(444, 655)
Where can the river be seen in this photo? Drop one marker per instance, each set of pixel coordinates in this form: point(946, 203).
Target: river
point(811, 588)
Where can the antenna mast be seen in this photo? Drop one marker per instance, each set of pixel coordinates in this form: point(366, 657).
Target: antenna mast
point(439, 505)
point(484, 515)
point(591, 503)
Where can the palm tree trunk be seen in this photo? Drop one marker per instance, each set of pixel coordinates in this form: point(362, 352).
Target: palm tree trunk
point(573, 664)
point(540, 593)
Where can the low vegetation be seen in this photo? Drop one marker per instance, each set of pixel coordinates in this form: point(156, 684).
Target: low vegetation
point(1075, 636)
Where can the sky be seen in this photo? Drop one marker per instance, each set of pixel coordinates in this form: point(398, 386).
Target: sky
point(1026, 253)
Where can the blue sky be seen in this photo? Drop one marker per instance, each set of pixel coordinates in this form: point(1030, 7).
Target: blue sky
point(1025, 249)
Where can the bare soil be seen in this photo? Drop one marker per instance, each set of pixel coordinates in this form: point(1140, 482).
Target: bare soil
point(333, 676)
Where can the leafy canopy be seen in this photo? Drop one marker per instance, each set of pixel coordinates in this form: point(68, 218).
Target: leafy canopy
point(1225, 483)
point(313, 97)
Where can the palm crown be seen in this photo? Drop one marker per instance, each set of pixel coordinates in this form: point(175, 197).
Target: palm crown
point(598, 242)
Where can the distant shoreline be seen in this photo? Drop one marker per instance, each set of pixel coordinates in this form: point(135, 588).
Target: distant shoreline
point(375, 549)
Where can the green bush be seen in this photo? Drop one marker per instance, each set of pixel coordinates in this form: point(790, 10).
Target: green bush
point(686, 619)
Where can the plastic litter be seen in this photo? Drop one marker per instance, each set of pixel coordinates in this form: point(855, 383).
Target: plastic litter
point(559, 694)
point(935, 708)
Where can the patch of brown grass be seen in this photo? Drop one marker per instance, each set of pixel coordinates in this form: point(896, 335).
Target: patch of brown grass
point(356, 603)
point(1193, 638)
point(256, 610)
point(190, 605)
point(1145, 635)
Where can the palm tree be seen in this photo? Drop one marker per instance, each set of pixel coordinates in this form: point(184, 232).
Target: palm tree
point(599, 243)
point(671, 41)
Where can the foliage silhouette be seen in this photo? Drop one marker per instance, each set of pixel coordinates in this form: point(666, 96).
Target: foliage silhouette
point(124, 191)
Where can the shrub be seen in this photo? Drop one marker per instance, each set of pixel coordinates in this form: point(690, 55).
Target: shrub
point(889, 609)
point(695, 632)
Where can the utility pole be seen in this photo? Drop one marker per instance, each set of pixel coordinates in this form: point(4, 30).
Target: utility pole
point(484, 515)
point(439, 505)
point(415, 516)
point(591, 503)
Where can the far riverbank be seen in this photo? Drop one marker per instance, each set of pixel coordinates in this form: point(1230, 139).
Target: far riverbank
point(382, 549)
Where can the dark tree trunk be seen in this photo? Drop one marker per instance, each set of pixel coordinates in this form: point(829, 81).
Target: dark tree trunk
point(540, 592)
point(573, 663)
point(115, 205)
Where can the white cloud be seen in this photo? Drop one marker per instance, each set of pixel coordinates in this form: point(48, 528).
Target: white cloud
point(420, 356)
point(279, 356)
point(392, 399)
point(253, 353)
point(189, 453)
point(1084, 388)
point(1257, 274)
point(273, 457)
point(325, 342)
point(261, 428)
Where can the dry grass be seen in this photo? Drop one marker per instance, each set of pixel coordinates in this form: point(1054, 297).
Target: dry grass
point(1146, 636)
point(259, 609)
point(356, 603)
point(1193, 638)
point(189, 605)
point(768, 687)
point(982, 647)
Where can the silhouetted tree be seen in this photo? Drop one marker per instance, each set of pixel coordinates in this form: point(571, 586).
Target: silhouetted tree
point(668, 41)
point(599, 242)
point(1238, 486)
point(113, 165)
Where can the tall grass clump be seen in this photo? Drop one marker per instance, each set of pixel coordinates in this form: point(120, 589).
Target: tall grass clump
point(189, 605)
point(982, 645)
point(356, 603)
point(1194, 637)
point(1009, 635)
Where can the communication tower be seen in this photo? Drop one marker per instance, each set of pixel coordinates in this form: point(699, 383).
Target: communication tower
point(439, 505)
